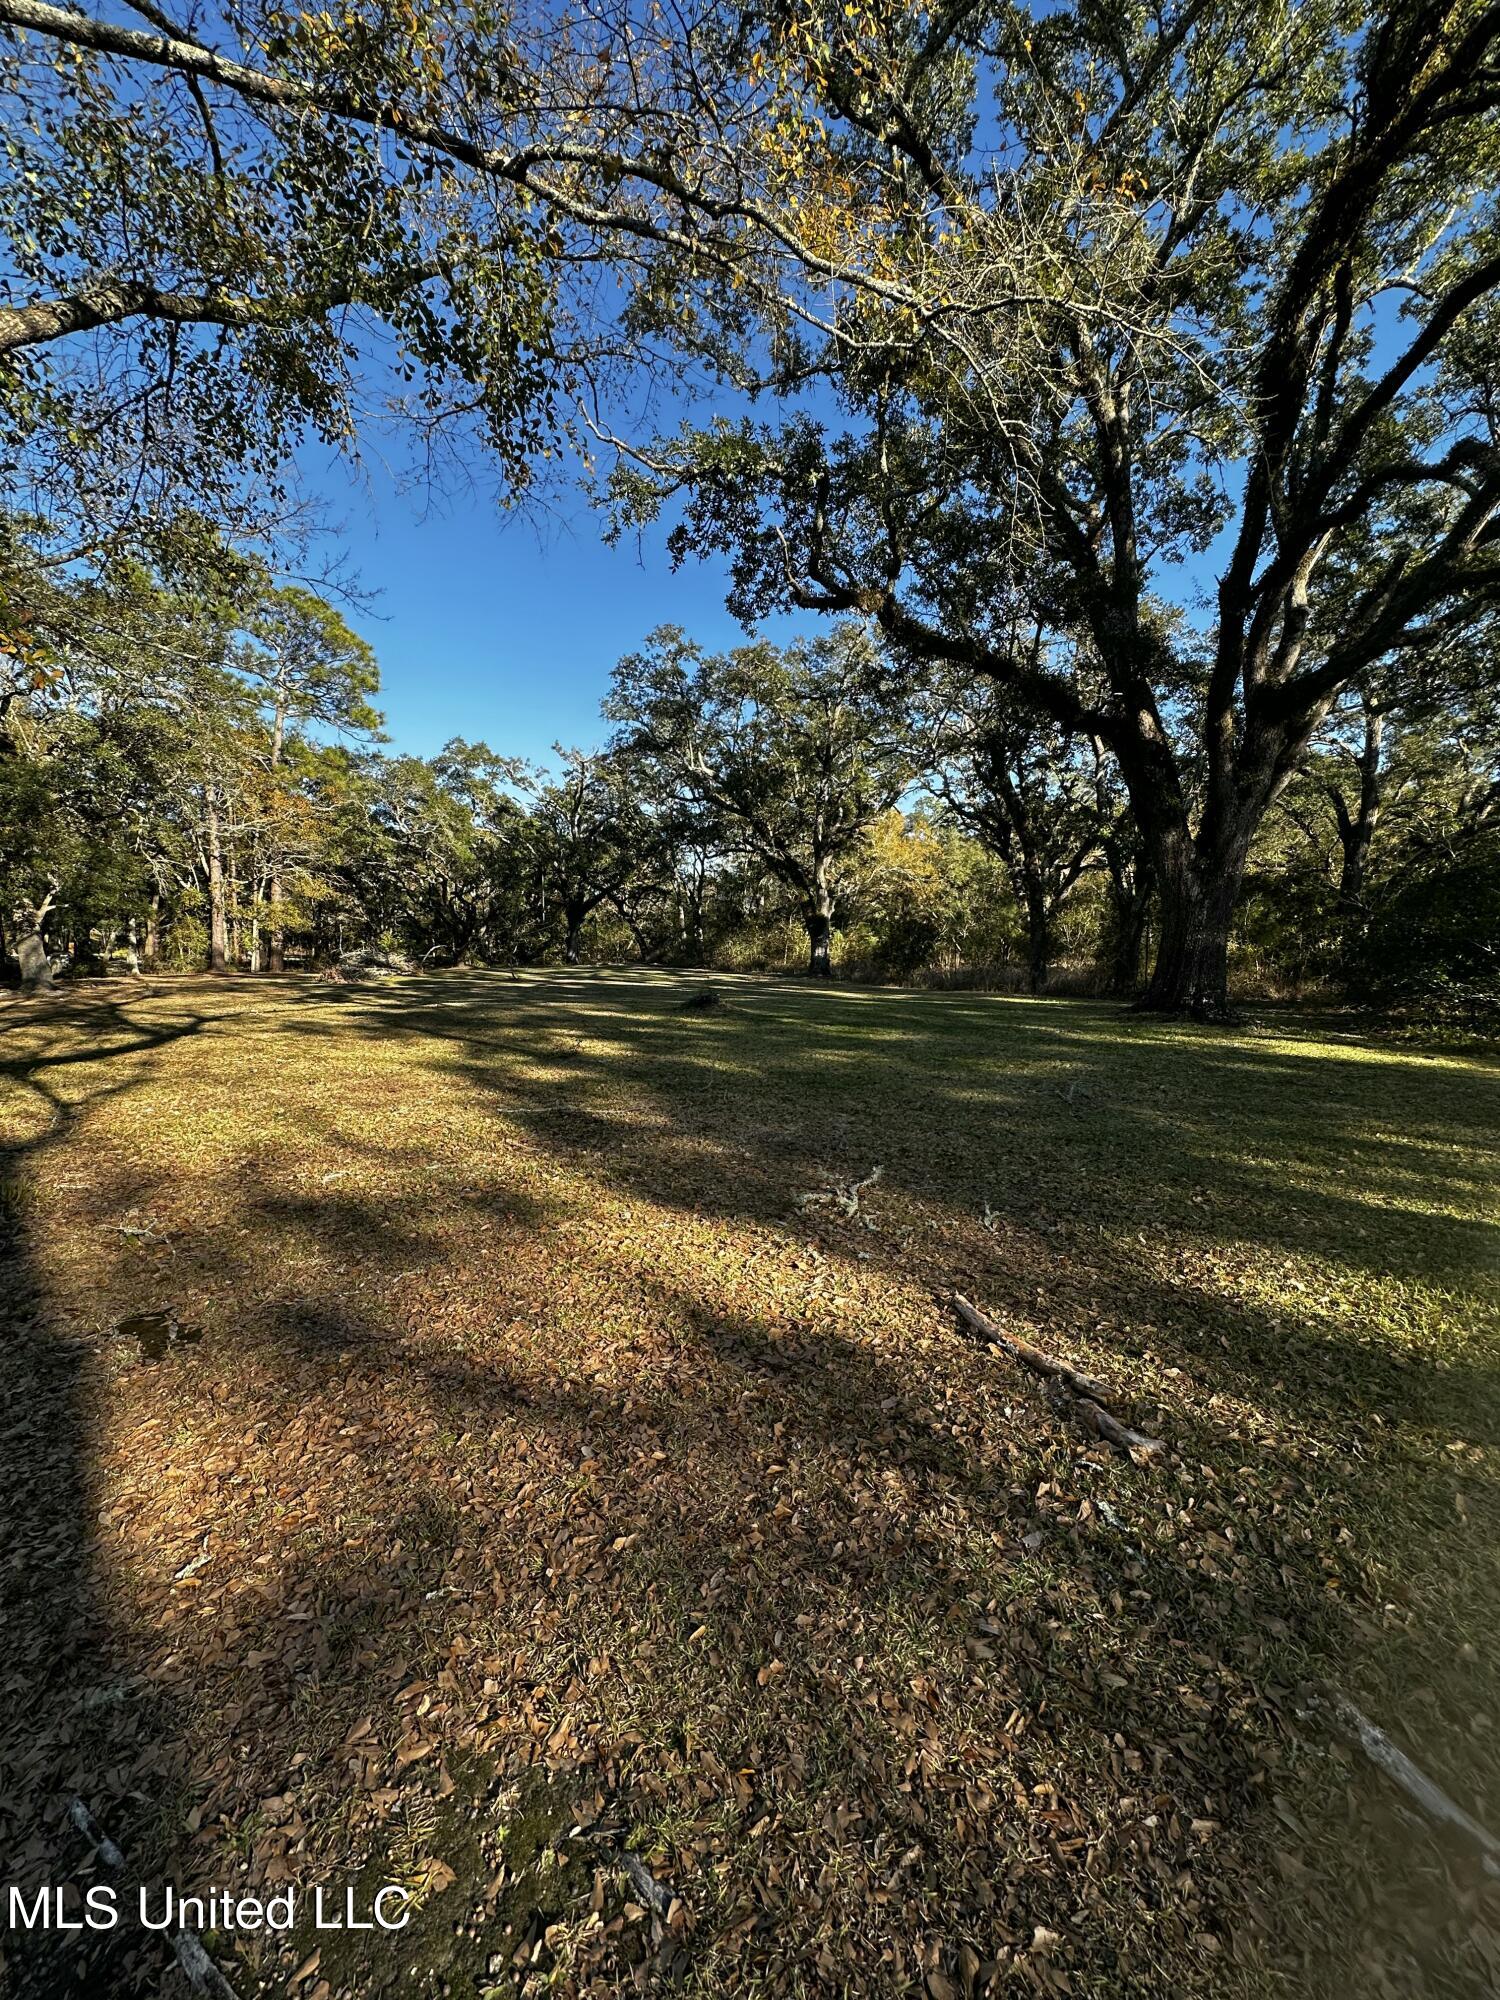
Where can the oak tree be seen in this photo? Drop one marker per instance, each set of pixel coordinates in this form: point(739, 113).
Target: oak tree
point(794, 753)
point(1213, 282)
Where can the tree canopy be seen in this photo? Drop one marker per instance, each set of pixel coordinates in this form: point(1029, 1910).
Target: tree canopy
point(1168, 337)
point(791, 756)
point(1212, 285)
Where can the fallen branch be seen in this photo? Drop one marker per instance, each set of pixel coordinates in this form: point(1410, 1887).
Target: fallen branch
point(1088, 1399)
point(1107, 1426)
point(1034, 1358)
point(202, 1974)
point(842, 1195)
point(1386, 1756)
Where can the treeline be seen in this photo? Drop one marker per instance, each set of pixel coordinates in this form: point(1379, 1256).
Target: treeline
point(193, 776)
point(1139, 366)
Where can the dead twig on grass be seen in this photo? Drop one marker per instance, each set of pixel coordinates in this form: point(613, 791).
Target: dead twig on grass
point(142, 1232)
point(1022, 1350)
point(1078, 1394)
point(202, 1974)
point(1107, 1425)
point(1357, 1729)
point(842, 1195)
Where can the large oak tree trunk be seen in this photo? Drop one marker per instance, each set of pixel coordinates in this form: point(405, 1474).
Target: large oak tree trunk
point(36, 967)
point(574, 917)
point(1199, 877)
point(31, 947)
point(819, 941)
point(1198, 897)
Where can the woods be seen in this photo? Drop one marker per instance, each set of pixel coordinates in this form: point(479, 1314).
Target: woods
point(195, 777)
point(1216, 293)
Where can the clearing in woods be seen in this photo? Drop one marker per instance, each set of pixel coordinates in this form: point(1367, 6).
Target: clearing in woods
point(438, 1448)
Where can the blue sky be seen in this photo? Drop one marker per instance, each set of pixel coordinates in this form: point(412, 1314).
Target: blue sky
point(504, 628)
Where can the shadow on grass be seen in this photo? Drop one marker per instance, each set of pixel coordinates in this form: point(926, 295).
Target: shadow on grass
point(75, 1717)
point(730, 1569)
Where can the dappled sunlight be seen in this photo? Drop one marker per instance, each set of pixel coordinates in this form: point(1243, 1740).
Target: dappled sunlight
point(536, 1435)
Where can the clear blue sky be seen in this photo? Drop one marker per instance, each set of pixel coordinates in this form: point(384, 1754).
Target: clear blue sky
point(498, 627)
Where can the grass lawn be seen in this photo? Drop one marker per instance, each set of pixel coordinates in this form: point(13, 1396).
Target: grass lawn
point(544, 1484)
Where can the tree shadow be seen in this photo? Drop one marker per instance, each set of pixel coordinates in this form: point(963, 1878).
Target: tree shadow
point(629, 1093)
point(633, 1522)
point(78, 1719)
point(479, 1472)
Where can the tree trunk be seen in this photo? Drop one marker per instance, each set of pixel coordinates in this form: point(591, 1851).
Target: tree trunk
point(153, 932)
point(1129, 935)
point(1038, 933)
point(819, 942)
point(574, 916)
point(1198, 897)
point(276, 943)
point(1129, 902)
point(1357, 829)
point(36, 967)
point(236, 926)
point(690, 926)
point(1352, 873)
point(637, 934)
point(218, 935)
point(31, 946)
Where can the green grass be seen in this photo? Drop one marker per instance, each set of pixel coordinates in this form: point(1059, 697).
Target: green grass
point(536, 1435)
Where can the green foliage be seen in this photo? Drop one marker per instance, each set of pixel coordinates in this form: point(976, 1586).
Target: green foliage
point(1013, 384)
point(242, 253)
point(789, 756)
point(927, 897)
point(1435, 941)
point(146, 744)
point(1016, 309)
point(588, 840)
